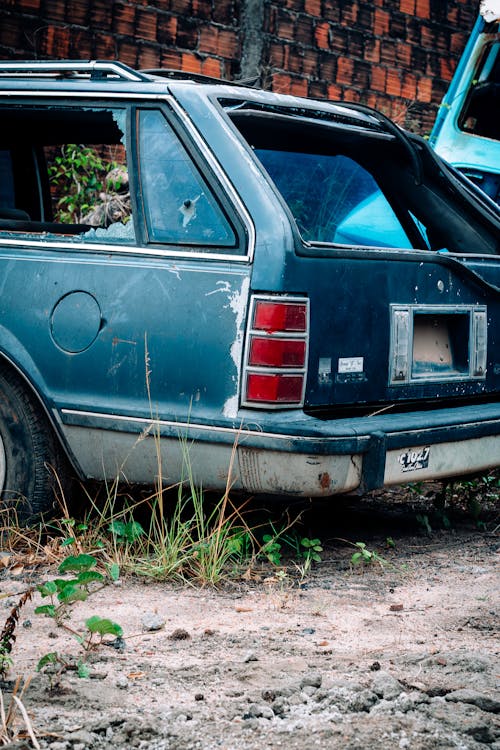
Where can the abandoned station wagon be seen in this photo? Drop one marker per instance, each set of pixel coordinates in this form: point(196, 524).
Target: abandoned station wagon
point(298, 294)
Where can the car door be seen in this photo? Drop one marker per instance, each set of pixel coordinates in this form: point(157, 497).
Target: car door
point(125, 271)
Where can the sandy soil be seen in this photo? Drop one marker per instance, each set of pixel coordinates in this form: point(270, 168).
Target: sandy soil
point(405, 656)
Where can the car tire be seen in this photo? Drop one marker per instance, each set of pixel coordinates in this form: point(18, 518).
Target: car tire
point(29, 455)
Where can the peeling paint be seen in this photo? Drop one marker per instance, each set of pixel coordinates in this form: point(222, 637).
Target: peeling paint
point(223, 286)
point(238, 302)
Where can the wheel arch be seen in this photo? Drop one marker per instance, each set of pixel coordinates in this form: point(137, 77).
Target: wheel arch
point(30, 377)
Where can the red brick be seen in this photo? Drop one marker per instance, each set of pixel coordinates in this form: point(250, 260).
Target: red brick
point(57, 41)
point(407, 6)
point(55, 10)
point(208, 42)
point(81, 44)
point(388, 52)
point(331, 10)
point(378, 78)
point(101, 14)
point(123, 19)
point(408, 85)
point(424, 89)
point(422, 8)
point(227, 44)
point(149, 57)
point(313, 7)
point(276, 55)
point(381, 22)
point(372, 50)
point(310, 63)
point(202, 9)
point(190, 62)
point(393, 84)
point(351, 95)
point(285, 26)
point(298, 86)
point(447, 67)
point(167, 30)
point(211, 67)
point(126, 52)
point(182, 7)
point(321, 35)
point(146, 25)
point(403, 54)
point(28, 6)
point(304, 30)
point(334, 92)
point(317, 90)
point(350, 14)
point(77, 12)
point(171, 60)
point(458, 42)
point(281, 83)
point(344, 70)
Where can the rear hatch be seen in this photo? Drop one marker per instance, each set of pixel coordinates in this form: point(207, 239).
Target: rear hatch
point(396, 255)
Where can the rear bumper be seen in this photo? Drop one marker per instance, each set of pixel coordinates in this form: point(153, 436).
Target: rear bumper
point(289, 453)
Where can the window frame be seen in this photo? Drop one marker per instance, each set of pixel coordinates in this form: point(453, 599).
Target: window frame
point(240, 219)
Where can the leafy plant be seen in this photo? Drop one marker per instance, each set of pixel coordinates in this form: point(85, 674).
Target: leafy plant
point(364, 556)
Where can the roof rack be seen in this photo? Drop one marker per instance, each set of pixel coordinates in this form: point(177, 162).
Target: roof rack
point(96, 70)
point(177, 75)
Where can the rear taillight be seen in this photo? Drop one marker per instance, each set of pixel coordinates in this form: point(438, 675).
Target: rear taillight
point(276, 352)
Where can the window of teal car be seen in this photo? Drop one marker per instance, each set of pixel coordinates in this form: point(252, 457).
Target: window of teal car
point(178, 204)
point(333, 199)
point(479, 115)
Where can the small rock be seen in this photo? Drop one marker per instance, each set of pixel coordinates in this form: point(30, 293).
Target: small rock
point(396, 607)
point(386, 686)
point(312, 679)
point(250, 656)
point(484, 702)
point(153, 621)
point(259, 711)
point(179, 635)
point(27, 624)
point(122, 682)
point(199, 697)
point(375, 667)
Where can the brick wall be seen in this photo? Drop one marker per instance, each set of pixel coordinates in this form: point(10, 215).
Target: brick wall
point(397, 55)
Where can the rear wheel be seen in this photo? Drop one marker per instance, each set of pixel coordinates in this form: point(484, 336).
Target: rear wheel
point(29, 455)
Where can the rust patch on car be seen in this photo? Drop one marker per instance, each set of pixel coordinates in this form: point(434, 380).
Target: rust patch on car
point(324, 480)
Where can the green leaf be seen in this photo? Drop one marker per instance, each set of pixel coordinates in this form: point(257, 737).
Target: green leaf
point(103, 626)
point(88, 576)
point(50, 658)
point(114, 571)
point(46, 609)
point(82, 669)
point(69, 540)
point(356, 558)
point(72, 593)
point(77, 563)
point(48, 589)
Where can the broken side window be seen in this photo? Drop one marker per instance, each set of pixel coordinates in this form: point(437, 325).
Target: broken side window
point(69, 174)
point(178, 204)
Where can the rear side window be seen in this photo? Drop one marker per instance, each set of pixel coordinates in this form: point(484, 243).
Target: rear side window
point(334, 199)
point(67, 175)
point(179, 206)
point(479, 115)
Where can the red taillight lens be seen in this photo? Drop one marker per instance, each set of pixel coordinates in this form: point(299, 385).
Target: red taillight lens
point(276, 352)
point(274, 388)
point(271, 352)
point(280, 316)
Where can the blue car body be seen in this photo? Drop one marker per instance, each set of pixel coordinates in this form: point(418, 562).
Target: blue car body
point(235, 312)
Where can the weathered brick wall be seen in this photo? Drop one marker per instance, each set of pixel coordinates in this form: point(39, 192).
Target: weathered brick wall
point(397, 55)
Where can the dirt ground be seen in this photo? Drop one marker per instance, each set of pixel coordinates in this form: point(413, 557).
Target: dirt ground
point(400, 656)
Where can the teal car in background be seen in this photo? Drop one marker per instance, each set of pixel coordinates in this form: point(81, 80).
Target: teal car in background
point(467, 129)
